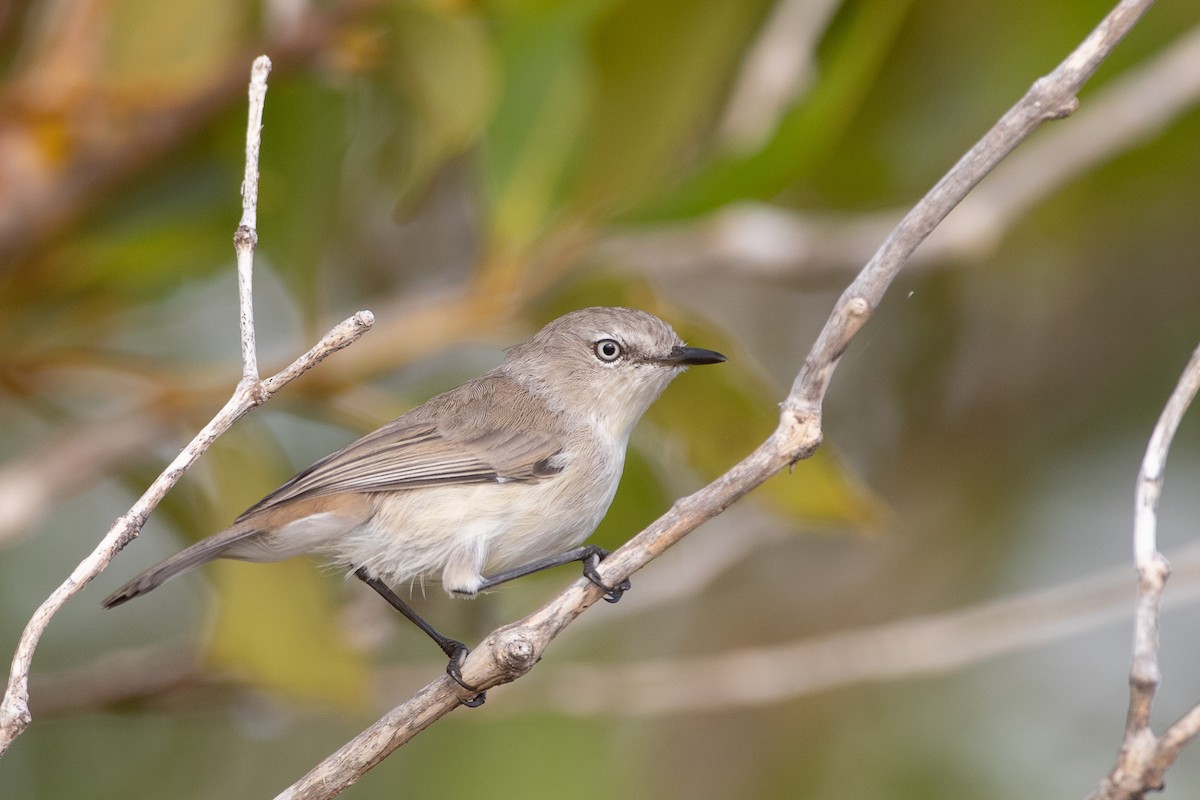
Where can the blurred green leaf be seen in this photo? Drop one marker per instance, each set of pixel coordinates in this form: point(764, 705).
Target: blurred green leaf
point(143, 244)
point(601, 99)
point(855, 53)
point(541, 754)
point(534, 135)
point(662, 68)
point(299, 189)
point(443, 65)
point(277, 627)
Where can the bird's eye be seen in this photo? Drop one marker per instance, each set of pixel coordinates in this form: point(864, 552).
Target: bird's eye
point(608, 350)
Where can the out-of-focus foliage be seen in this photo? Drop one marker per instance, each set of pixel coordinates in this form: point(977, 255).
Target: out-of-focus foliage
point(462, 169)
point(255, 636)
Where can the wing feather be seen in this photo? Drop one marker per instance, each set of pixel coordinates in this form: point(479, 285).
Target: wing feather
point(453, 439)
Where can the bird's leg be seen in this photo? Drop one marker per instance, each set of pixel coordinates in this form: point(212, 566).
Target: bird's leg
point(591, 555)
point(455, 650)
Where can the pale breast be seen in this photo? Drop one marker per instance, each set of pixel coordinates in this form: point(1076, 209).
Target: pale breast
point(457, 534)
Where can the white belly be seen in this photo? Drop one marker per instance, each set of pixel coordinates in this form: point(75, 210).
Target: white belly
point(460, 533)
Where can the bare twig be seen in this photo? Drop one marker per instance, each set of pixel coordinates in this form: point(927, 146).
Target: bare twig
point(511, 651)
point(246, 238)
point(250, 393)
point(1144, 758)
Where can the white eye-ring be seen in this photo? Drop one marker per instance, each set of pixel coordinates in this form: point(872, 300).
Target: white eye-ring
point(608, 350)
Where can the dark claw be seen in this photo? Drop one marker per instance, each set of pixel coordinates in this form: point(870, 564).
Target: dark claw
point(476, 701)
point(611, 594)
point(458, 654)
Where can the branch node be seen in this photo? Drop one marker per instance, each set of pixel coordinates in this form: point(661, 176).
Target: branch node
point(130, 527)
point(245, 238)
point(1065, 109)
point(1049, 98)
point(256, 392)
point(515, 653)
point(803, 434)
point(858, 307)
point(1154, 574)
point(1136, 771)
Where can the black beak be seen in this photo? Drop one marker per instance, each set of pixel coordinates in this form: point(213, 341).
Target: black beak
point(691, 356)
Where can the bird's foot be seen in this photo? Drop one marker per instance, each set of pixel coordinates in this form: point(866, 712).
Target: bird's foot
point(611, 593)
point(458, 652)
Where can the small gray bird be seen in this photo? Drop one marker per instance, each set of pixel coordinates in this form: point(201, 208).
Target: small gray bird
point(501, 477)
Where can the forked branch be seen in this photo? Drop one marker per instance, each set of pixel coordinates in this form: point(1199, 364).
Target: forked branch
point(249, 394)
point(1145, 758)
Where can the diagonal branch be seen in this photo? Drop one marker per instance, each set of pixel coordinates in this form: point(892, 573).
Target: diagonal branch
point(512, 650)
point(249, 394)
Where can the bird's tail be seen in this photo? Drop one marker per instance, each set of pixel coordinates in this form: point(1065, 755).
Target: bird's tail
point(199, 554)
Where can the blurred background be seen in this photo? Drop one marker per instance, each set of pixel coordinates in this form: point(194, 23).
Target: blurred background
point(468, 171)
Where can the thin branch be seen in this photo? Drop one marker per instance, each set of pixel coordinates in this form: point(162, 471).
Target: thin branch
point(1144, 759)
point(14, 709)
point(1150, 478)
point(1177, 737)
point(246, 237)
point(511, 651)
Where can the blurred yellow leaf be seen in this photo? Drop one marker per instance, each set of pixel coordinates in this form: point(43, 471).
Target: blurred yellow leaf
point(444, 68)
point(717, 415)
point(534, 136)
point(170, 46)
point(276, 624)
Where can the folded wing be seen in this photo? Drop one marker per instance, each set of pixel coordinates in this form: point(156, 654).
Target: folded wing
point(465, 443)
